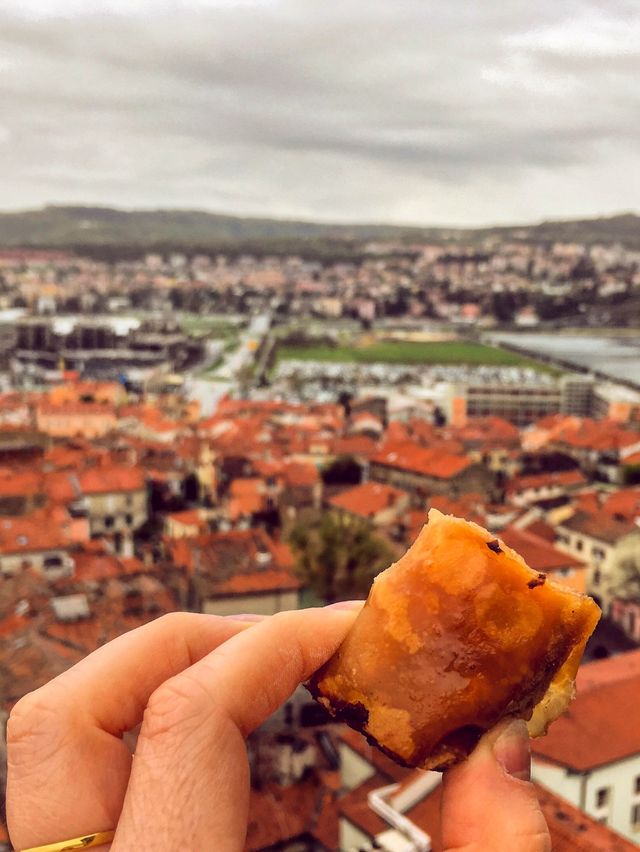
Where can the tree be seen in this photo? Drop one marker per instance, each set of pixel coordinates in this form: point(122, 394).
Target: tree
point(338, 555)
point(628, 581)
point(344, 470)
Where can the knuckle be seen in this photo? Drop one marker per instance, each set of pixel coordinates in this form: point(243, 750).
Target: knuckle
point(34, 726)
point(171, 621)
point(174, 708)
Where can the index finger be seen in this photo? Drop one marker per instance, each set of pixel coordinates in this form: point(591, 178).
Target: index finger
point(113, 684)
point(68, 767)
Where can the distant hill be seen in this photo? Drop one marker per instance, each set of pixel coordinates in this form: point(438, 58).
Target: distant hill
point(64, 227)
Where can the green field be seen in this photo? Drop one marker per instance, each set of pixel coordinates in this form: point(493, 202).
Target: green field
point(445, 352)
point(212, 326)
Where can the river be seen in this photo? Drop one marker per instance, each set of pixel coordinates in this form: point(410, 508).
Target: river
point(618, 357)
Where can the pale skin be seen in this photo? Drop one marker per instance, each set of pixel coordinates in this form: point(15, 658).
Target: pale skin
point(197, 685)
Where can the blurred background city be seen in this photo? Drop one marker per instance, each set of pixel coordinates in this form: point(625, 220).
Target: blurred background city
point(252, 409)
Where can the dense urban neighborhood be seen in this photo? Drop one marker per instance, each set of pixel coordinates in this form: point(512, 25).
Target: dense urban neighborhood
point(256, 433)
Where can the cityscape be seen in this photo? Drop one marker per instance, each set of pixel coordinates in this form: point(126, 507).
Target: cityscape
point(259, 429)
point(279, 282)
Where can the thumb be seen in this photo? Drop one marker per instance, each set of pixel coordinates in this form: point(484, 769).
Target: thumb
point(488, 802)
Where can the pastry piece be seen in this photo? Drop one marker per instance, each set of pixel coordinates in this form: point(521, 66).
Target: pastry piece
point(456, 635)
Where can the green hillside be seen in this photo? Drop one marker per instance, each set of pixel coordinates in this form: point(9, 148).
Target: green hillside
point(64, 227)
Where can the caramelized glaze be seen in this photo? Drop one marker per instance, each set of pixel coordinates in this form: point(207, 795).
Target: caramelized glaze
point(458, 634)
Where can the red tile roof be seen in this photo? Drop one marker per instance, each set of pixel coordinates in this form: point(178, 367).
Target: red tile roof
point(624, 504)
point(367, 499)
point(354, 445)
point(426, 462)
point(542, 529)
point(111, 480)
point(620, 667)
point(188, 517)
point(467, 506)
point(98, 566)
point(538, 553)
point(279, 814)
point(600, 526)
point(258, 583)
point(236, 562)
point(300, 474)
point(35, 533)
point(571, 830)
point(23, 484)
point(597, 729)
point(560, 479)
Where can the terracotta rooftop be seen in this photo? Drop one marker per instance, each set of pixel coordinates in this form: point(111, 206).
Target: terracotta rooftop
point(35, 533)
point(619, 667)
point(426, 462)
point(367, 499)
point(623, 504)
point(354, 445)
point(571, 830)
point(561, 479)
point(189, 517)
point(468, 506)
point(300, 474)
point(235, 562)
point(600, 526)
point(111, 480)
point(537, 552)
point(542, 529)
point(576, 740)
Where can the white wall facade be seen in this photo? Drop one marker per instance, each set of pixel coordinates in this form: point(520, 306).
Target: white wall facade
point(621, 780)
point(354, 770)
point(264, 604)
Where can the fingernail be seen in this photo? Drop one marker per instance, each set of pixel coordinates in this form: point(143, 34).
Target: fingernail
point(511, 750)
point(346, 605)
point(247, 617)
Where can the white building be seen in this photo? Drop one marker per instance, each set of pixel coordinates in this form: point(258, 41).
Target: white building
point(591, 755)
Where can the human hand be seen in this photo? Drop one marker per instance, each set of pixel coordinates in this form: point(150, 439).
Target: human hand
point(198, 685)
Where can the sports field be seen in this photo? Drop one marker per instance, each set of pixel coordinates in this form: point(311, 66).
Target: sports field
point(442, 352)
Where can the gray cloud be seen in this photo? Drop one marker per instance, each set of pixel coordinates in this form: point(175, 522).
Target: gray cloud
point(410, 111)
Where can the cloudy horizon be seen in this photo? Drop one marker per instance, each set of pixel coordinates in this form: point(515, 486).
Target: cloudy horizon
point(407, 113)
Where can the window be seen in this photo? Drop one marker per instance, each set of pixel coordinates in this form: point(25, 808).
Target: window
point(108, 521)
point(596, 577)
point(602, 797)
point(579, 544)
point(636, 786)
point(597, 552)
point(128, 520)
point(635, 817)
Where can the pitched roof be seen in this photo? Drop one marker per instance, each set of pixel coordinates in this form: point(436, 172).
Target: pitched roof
point(367, 499)
point(416, 459)
point(300, 474)
point(576, 739)
point(571, 830)
point(620, 667)
point(189, 517)
point(537, 552)
point(624, 503)
point(111, 480)
point(236, 562)
point(560, 479)
point(35, 533)
point(600, 526)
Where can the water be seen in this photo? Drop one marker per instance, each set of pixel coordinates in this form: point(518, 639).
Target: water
point(618, 357)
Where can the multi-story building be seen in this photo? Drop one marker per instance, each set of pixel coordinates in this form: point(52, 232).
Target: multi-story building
point(591, 755)
point(116, 503)
point(605, 544)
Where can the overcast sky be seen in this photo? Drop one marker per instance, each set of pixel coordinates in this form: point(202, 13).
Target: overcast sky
point(417, 111)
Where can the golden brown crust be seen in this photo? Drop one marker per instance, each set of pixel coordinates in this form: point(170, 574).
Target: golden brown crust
point(454, 637)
